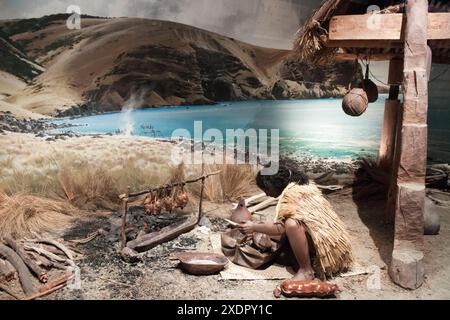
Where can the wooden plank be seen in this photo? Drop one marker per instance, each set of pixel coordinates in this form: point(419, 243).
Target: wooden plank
point(439, 26)
point(387, 144)
point(384, 27)
point(153, 239)
point(366, 27)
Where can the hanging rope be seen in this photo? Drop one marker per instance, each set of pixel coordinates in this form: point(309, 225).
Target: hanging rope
point(366, 64)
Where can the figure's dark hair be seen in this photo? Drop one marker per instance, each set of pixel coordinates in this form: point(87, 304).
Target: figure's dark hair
point(288, 172)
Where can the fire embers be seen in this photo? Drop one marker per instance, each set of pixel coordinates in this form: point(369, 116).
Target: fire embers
point(166, 199)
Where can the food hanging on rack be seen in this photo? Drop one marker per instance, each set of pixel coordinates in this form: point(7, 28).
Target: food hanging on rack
point(149, 203)
point(168, 201)
point(182, 198)
point(158, 202)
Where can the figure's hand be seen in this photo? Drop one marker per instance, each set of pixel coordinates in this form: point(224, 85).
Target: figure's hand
point(247, 227)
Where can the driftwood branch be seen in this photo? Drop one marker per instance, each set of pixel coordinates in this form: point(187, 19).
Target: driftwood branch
point(31, 264)
point(25, 276)
point(56, 244)
point(41, 261)
point(249, 201)
point(88, 239)
point(153, 239)
point(8, 291)
point(7, 271)
point(51, 286)
point(330, 188)
point(51, 256)
point(263, 205)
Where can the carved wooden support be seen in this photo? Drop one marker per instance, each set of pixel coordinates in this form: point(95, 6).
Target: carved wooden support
point(406, 268)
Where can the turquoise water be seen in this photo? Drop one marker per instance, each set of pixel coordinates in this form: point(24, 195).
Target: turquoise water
point(314, 127)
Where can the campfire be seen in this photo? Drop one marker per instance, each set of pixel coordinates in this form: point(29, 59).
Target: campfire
point(170, 198)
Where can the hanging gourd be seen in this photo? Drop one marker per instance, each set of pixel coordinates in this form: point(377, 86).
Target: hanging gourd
point(369, 87)
point(355, 102)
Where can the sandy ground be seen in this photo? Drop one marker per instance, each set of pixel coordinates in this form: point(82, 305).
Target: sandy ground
point(105, 276)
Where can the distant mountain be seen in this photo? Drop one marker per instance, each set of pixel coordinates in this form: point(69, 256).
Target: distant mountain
point(149, 63)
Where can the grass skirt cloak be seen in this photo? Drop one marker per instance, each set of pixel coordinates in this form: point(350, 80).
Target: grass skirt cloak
point(306, 204)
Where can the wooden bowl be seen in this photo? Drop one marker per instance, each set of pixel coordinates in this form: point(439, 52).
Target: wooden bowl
point(198, 263)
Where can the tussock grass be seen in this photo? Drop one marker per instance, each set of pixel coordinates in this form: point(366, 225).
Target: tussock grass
point(21, 215)
point(233, 182)
point(43, 186)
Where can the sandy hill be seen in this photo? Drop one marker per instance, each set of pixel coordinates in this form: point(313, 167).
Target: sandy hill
point(149, 63)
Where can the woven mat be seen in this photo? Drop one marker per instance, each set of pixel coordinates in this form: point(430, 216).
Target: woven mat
point(235, 272)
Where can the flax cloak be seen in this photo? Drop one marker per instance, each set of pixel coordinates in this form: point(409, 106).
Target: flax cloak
point(306, 204)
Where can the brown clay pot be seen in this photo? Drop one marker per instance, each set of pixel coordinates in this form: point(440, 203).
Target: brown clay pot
point(241, 213)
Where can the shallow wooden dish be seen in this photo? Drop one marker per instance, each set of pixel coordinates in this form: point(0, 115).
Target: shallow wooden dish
point(198, 263)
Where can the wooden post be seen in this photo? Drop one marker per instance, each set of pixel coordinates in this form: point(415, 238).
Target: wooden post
point(392, 105)
point(123, 232)
point(406, 267)
point(200, 205)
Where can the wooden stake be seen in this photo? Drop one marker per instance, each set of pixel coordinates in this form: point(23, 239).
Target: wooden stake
point(123, 233)
point(200, 205)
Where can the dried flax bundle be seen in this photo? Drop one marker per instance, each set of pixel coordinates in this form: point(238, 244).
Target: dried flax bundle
point(306, 204)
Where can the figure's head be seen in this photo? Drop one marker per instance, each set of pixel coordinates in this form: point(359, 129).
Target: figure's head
point(273, 185)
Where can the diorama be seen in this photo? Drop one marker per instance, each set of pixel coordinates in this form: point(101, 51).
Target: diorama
point(224, 149)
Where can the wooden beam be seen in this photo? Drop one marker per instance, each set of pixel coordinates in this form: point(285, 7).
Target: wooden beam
point(384, 27)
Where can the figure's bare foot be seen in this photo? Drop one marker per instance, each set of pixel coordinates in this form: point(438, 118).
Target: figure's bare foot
point(304, 275)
